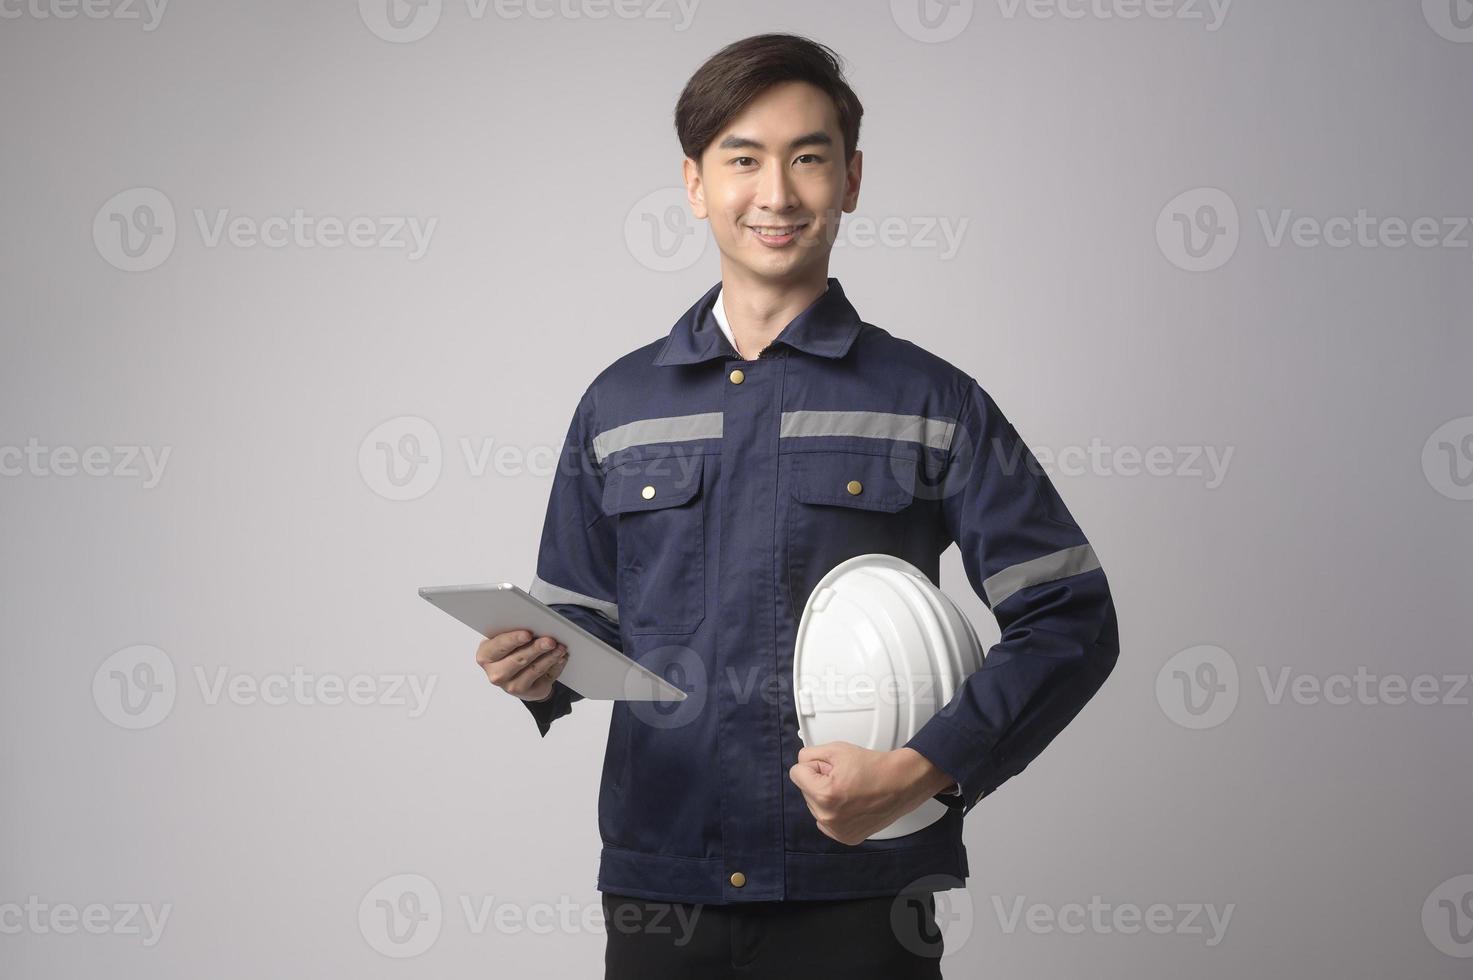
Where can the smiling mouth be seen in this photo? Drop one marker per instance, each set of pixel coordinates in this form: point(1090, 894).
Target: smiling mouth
point(777, 234)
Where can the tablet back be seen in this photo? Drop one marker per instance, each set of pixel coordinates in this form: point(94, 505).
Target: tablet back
point(594, 669)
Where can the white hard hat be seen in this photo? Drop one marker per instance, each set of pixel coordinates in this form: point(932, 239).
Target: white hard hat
point(879, 651)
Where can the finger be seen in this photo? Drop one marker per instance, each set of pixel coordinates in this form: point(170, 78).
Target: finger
point(802, 776)
point(519, 671)
point(502, 664)
point(532, 678)
point(506, 668)
point(544, 663)
point(542, 684)
point(808, 752)
point(493, 648)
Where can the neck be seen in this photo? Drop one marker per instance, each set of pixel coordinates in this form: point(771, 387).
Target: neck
point(758, 309)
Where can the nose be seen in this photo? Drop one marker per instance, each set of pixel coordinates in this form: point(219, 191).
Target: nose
point(775, 190)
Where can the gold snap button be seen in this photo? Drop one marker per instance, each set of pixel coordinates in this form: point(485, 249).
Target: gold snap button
point(647, 492)
point(738, 879)
point(854, 486)
point(737, 376)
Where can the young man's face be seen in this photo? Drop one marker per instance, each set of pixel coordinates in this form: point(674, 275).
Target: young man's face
point(774, 184)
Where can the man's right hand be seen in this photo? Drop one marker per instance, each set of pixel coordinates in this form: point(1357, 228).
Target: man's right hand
point(522, 664)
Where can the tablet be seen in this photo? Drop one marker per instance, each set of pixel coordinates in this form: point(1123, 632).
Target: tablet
point(594, 669)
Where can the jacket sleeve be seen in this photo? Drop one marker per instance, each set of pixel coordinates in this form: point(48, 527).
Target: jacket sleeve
point(1031, 564)
point(576, 560)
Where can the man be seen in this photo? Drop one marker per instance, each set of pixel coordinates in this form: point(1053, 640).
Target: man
point(709, 479)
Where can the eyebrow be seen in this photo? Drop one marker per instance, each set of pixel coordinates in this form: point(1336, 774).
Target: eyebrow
point(816, 138)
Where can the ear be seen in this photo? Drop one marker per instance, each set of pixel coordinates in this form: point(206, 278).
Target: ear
point(852, 176)
point(695, 187)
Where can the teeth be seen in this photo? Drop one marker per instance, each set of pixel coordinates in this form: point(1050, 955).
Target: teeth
point(775, 231)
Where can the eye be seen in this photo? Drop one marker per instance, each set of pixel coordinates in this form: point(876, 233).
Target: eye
point(738, 160)
point(812, 156)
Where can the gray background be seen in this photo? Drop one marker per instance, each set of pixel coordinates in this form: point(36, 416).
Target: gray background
point(1335, 541)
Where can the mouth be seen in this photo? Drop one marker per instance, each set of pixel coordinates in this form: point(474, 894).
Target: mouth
point(777, 235)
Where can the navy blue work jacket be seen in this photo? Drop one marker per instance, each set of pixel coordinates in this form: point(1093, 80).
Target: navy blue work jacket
point(698, 500)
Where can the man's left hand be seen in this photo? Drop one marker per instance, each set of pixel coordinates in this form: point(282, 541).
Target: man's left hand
point(853, 792)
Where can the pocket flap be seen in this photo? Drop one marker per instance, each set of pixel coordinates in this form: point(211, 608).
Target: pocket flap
point(650, 484)
point(847, 479)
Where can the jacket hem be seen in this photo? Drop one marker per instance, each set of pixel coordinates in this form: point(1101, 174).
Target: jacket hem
point(808, 876)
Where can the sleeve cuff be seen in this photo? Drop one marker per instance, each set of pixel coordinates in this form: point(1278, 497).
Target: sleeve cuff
point(558, 703)
point(562, 698)
point(952, 751)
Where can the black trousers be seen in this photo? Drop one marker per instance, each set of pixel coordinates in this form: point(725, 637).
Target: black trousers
point(890, 937)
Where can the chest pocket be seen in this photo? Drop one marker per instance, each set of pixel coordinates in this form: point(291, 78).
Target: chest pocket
point(662, 542)
point(844, 503)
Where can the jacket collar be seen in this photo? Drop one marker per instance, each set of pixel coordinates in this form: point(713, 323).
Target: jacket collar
point(826, 328)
